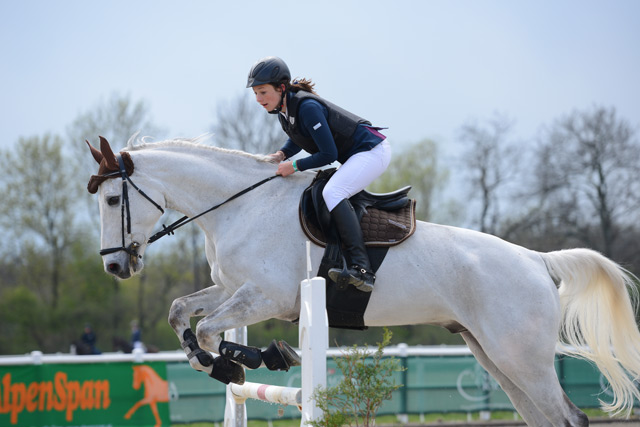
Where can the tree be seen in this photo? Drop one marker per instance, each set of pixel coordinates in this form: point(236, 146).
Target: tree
point(118, 119)
point(587, 163)
point(416, 165)
point(492, 162)
point(168, 275)
point(22, 315)
point(243, 125)
point(38, 200)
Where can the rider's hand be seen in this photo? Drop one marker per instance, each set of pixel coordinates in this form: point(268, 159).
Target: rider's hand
point(276, 157)
point(285, 169)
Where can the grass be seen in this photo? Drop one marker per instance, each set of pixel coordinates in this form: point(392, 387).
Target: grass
point(425, 419)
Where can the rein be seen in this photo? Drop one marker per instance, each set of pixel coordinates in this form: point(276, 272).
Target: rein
point(185, 219)
point(126, 214)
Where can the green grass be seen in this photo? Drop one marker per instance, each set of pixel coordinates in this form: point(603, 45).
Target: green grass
point(413, 419)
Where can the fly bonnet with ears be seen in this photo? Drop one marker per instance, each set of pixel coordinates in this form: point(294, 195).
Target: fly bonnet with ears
point(108, 164)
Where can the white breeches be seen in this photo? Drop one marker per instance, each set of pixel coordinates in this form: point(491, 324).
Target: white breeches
point(356, 174)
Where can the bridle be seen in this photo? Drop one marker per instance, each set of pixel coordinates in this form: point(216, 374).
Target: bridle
point(125, 214)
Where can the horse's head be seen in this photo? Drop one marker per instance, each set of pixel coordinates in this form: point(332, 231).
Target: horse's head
point(128, 211)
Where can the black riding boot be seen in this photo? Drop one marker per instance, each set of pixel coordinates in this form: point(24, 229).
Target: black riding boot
point(359, 272)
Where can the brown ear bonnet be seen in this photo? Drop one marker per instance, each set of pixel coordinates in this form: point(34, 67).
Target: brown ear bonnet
point(108, 163)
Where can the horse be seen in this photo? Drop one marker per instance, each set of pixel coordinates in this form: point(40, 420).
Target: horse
point(155, 390)
point(513, 306)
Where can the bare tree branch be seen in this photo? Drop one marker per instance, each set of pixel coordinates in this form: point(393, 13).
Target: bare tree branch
point(243, 125)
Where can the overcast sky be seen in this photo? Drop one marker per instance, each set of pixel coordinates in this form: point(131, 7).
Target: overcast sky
point(422, 68)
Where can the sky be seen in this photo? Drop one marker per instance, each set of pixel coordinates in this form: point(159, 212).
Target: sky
point(421, 68)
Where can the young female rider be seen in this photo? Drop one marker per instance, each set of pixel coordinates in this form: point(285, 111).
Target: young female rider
point(328, 133)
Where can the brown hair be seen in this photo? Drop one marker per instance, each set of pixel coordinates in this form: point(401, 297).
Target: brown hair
point(298, 84)
point(303, 84)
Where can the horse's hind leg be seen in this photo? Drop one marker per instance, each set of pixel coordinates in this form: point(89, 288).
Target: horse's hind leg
point(525, 407)
point(526, 368)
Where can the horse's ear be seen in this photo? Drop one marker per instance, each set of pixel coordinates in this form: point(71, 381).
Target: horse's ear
point(107, 153)
point(97, 155)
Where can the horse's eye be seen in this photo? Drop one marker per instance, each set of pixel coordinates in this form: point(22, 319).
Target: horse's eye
point(113, 200)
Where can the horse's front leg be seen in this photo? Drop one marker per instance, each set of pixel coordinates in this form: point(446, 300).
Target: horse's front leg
point(247, 306)
point(183, 309)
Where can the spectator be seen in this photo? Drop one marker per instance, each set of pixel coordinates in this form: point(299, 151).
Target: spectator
point(89, 340)
point(136, 336)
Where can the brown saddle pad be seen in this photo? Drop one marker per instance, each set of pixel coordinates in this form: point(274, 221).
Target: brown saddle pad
point(379, 228)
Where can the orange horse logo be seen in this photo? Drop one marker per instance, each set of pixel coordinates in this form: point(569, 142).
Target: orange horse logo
point(155, 390)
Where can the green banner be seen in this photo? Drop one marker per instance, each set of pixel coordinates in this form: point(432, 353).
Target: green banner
point(115, 394)
point(163, 393)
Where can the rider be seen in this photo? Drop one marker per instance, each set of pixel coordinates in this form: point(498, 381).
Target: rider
point(328, 133)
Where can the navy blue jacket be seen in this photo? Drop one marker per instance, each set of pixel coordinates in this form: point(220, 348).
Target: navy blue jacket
point(312, 124)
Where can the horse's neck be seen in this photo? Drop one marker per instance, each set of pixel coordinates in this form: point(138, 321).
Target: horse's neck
point(195, 179)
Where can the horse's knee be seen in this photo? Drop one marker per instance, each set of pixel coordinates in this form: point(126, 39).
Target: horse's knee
point(176, 313)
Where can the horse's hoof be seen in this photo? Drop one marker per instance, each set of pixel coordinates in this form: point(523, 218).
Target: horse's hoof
point(226, 371)
point(293, 359)
point(279, 356)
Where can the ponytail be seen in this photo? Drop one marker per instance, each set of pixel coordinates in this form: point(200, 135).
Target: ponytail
point(298, 84)
point(303, 84)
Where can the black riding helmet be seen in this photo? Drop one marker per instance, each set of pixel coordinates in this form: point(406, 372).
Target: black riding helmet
point(268, 70)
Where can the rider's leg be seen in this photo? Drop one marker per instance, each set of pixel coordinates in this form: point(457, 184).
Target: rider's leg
point(359, 272)
point(352, 177)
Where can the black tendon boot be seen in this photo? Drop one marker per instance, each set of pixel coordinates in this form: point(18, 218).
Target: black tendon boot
point(223, 370)
point(359, 272)
point(279, 356)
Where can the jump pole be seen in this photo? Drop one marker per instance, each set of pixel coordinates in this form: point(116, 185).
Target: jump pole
point(235, 412)
point(313, 339)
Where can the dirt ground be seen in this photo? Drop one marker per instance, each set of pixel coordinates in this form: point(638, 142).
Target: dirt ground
point(604, 422)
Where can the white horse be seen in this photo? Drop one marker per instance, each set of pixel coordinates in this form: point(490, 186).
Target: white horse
point(511, 304)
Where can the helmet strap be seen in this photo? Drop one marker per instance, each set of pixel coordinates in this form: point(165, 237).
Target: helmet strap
point(279, 107)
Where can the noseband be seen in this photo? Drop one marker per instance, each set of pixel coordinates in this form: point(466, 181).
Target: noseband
point(125, 213)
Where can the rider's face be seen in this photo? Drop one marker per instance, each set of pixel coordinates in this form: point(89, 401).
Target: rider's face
point(267, 96)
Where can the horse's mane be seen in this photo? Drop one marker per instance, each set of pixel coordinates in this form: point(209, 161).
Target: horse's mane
point(137, 144)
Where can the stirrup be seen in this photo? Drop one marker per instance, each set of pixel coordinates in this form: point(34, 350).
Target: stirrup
point(355, 275)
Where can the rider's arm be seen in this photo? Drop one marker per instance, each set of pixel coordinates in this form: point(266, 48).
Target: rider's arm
point(313, 118)
point(290, 149)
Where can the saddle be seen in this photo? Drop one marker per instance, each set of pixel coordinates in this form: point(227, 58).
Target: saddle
point(386, 220)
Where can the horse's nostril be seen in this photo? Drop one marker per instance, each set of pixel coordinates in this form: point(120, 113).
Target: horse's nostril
point(113, 268)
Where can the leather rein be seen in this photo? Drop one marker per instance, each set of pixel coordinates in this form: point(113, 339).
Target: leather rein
point(125, 213)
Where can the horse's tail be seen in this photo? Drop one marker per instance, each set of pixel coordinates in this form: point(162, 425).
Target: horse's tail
point(599, 301)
